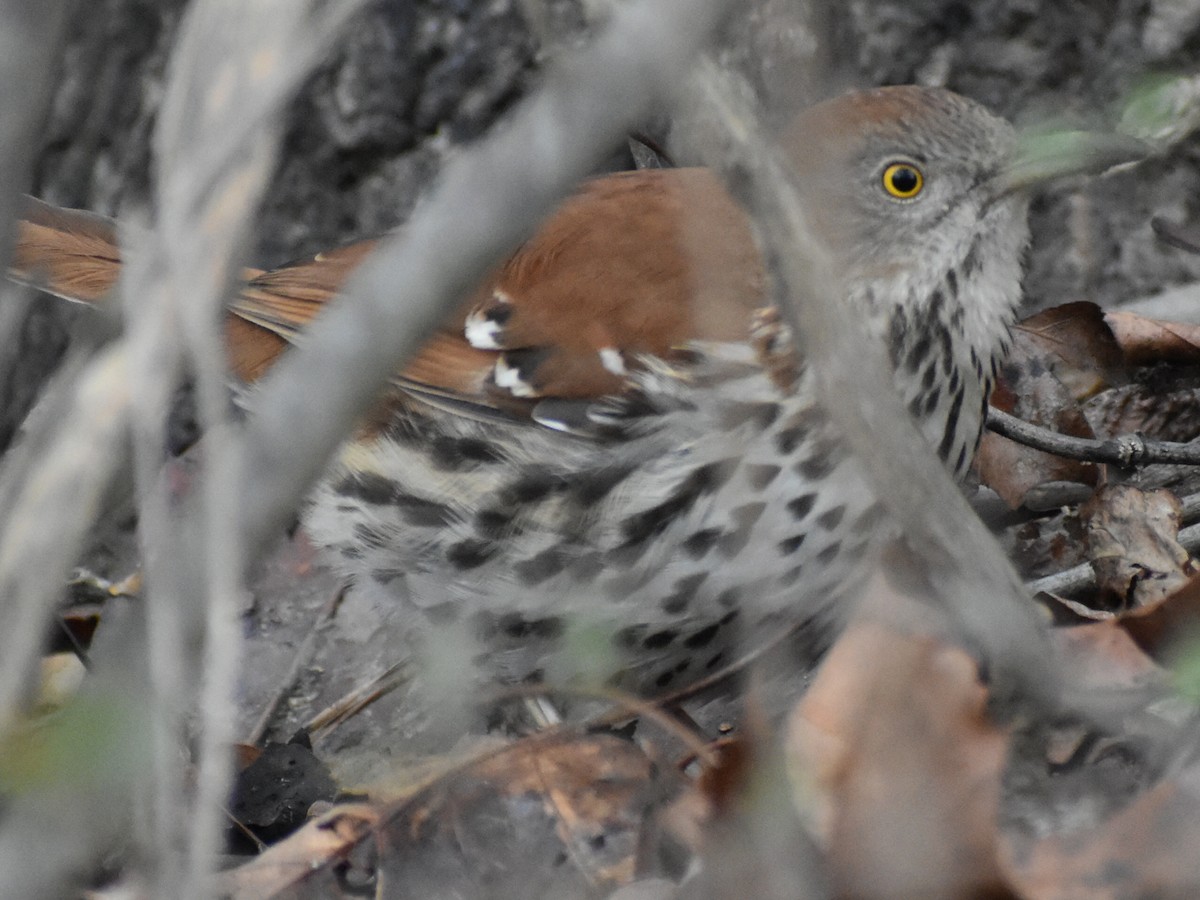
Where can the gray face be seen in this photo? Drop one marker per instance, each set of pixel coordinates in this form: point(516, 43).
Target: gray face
point(897, 175)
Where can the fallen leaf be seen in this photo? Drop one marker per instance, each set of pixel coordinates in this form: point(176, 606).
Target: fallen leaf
point(1075, 340)
point(1101, 656)
point(1146, 850)
point(1131, 536)
point(1147, 341)
point(905, 765)
point(1160, 627)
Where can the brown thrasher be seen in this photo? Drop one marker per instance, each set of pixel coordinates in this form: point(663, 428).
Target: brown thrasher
point(537, 469)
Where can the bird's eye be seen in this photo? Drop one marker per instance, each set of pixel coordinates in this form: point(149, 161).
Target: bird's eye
point(902, 180)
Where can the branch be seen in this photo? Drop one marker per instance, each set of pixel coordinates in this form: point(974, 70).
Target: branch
point(1126, 451)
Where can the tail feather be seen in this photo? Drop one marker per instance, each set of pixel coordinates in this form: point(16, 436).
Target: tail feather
point(66, 252)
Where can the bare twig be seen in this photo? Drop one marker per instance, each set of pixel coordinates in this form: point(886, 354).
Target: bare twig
point(1126, 451)
point(216, 141)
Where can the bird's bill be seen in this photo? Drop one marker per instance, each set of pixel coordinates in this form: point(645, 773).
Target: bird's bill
point(1048, 156)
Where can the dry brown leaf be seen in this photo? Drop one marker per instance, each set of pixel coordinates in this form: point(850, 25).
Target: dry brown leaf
point(1102, 656)
point(1131, 536)
point(905, 764)
point(1077, 342)
point(1146, 850)
point(1147, 341)
point(1158, 628)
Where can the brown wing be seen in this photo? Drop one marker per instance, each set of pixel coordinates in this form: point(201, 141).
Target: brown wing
point(636, 263)
point(633, 264)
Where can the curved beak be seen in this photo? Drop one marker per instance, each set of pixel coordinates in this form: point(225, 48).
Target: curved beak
point(1048, 156)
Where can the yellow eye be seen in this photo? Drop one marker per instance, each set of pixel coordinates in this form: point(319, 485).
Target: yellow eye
point(903, 180)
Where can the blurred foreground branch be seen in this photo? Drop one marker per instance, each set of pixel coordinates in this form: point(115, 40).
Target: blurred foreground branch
point(968, 573)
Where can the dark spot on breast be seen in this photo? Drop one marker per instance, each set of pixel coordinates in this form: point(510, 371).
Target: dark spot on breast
point(664, 679)
point(385, 576)
point(802, 505)
point(823, 459)
point(629, 637)
point(493, 523)
point(684, 592)
point(589, 489)
point(702, 480)
point(915, 407)
point(627, 554)
point(931, 402)
point(944, 339)
point(830, 553)
point(760, 475)
point(744, 519)
point(702, 638)
point(471, 554)
point(951, 427)
point(517, 627)
point(952, 283)
point(869, 518)
point(456, 453)
point(791, 576)
point(588, 566)
point(350, 552)
point(930, 374)
point(421, 512)
point(788, 546)
point(789, 439)
point(715, 660)
point(368, 487)
point(699, 543)
point(897, 332)
point(831, 518)
point(970, 264)
point(673, 605)
point(917, 353)
point(729, 597)
point(531, 487)
point(660, 639)
point(540, 567)
point(962, 459)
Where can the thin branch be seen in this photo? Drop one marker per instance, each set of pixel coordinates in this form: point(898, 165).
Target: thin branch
point(1126, 451)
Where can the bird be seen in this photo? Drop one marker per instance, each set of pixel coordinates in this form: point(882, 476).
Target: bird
point(614, 433)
